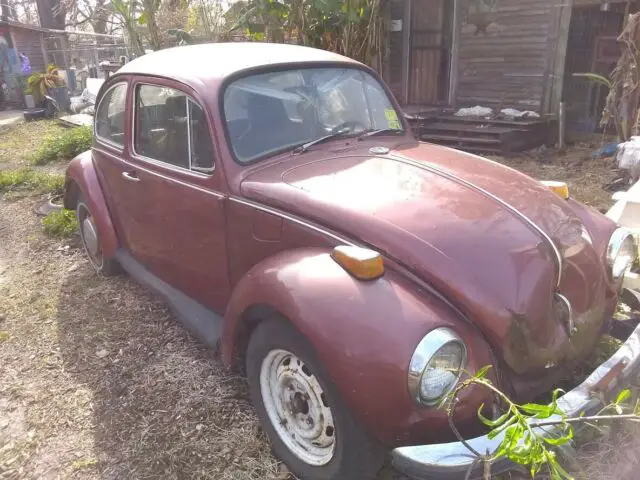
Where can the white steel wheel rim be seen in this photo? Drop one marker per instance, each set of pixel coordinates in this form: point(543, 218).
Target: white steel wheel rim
point(297, 407)
point(89, 236)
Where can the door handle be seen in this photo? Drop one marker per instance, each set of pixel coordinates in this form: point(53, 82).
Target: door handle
point(131, 176)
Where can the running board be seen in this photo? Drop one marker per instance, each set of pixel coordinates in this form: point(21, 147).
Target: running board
point(205, 324)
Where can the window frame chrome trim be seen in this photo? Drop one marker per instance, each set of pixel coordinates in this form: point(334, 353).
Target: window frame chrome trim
point(100, 138)
point(176, 168)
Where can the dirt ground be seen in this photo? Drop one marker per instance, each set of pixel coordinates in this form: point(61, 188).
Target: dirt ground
point(98, 381)
point(584, 175)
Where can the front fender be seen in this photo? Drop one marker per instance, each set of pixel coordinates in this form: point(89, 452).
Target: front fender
point(81, 177)
point(364, 333)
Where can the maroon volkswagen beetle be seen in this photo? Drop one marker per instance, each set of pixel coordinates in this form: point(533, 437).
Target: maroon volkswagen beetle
point(277, 198)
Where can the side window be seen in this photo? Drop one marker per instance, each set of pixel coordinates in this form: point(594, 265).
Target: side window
point(109, 123)
point(171, 128)
point(161, 130)
point(200, 138)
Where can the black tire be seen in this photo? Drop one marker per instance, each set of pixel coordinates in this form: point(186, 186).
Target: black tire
point(105, 266)
point(357, 456)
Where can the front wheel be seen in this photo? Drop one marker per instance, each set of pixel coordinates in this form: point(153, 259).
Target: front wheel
point(311, 430)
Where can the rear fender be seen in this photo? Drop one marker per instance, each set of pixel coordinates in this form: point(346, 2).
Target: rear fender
point(364, 333)
point(82, 178)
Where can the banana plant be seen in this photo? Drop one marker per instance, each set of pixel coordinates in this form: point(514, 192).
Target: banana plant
point(129, 12)
point(38, 84)
point(614, 115)
point(148, 17)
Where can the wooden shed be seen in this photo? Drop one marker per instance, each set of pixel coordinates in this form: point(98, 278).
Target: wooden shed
point(498, 53)
point(17, 38)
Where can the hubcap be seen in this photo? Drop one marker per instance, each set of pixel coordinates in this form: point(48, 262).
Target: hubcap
point(90, 237)
point(297, 407)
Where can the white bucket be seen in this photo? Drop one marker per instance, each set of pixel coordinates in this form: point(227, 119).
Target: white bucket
point(29, 101)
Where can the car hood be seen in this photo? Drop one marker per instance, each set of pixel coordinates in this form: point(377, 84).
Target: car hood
point(484, 235)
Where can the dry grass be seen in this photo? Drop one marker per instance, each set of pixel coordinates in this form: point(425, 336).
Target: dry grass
point(602, 458)
point(585, 175)
point(18, 142)
point(98, 381)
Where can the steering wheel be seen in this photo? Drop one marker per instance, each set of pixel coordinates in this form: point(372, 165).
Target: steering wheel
point(350, 124)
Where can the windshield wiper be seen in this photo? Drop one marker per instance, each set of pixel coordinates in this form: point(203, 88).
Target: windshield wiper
point(381, 131)
point(308, 145)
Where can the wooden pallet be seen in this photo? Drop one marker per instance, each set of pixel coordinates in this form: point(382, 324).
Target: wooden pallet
point(500, 136)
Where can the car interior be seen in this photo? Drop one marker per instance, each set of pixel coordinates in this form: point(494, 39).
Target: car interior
point(162, 133)
point(265, 125)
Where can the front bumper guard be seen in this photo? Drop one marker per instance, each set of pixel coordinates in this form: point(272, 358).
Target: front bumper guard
point(453, 460)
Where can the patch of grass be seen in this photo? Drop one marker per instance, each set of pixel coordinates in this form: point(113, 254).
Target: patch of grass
point(63, 146)
point(19, 141)
point(30, 180)
point(61, 223)
point(4, 335)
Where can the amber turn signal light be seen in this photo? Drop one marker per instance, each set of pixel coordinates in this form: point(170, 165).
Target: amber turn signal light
point(559, 188)
point(362, 263)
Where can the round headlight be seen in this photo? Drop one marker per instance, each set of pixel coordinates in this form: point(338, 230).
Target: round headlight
point(436, 366)
point(621, 253)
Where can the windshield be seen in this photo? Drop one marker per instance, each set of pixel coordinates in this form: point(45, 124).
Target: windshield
point(277, 111)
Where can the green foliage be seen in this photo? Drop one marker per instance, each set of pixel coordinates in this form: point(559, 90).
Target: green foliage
point(353, 28)
point(595, 78)
point(611, 112)
point(38, 84)
point(128, 11)
point(30, 180)
point(64, 146)
point(525, 429)
point(61, 223)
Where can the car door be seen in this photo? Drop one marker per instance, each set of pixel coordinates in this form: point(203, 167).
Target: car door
point(165, 190)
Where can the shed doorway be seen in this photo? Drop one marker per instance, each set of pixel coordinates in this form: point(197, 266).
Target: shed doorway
point(420, 56)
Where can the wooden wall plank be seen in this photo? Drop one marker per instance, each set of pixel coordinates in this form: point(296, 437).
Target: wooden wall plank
point(505, 67)
point(29, 43)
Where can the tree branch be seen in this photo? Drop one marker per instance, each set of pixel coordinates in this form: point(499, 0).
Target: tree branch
point(630, 416)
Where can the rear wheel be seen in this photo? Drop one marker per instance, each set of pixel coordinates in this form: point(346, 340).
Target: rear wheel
point(91, 241)
point(311, 430)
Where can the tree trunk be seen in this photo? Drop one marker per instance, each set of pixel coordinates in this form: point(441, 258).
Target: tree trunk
point(44, 13)
point(150, 8)
point(6, 11)
point(100, 17)
point(134, 38)
point(59, 11)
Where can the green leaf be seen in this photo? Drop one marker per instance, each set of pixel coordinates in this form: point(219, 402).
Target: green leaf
point(595, 78)
point(142, 19)
point(622, 396)
point(557, 441)
point(556, 469)
point(482, 373)
point(540, 411)
point(492, 423)
point(556, 393)
point(494, 433)
point(510, 440)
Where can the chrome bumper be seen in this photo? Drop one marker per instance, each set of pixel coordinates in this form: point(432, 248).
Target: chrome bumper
point(453, 460)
